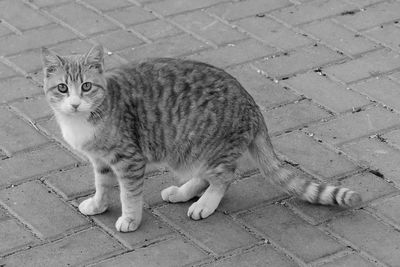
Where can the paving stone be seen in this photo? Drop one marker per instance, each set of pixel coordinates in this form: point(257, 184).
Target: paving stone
point(362, 3)
point(33, 109)
point(299, 60)
point(263, 256)
point(157, 29)
point(273, 33)
point(154, 185)
point(35, 38)
point(234, 54)
point(352, 260)
point(3, 156)
point(380, 89)
point(368, 185)
point(289, 231)
point(370, 64)
point(20, 15)
point(256, 38)
point(387, 35)
point(313, 156)
point(167, 47)
point(17, 135)
point(81, 18)
point(218, 232)
point(13, 236)
point(6, 71)
point(393, 138)
point(169, 253)
point(76, 46)
point(376, 154)
point(150, 229)
point(370, 235)
point(44, 3)
point(332, 95)
point(34, 163)
point(17, 87)
point(209, 28)
point(125, 39)
point(73, 183)
point(106, 5)
point(241, 9)
point(339, 37)
point(265, 92)
point(3, 214)
point(355, 125)
point(312, 10)
point(75, 249)
point(51, 128)
point(30, 61)
point(4, 30)
point(178, 6)
point(39, 208)
point(303, 1)
point(372, 16)
point(292, 116)
point(248, 193)
point(395, 76)
point(131, 15)
point(389, 208)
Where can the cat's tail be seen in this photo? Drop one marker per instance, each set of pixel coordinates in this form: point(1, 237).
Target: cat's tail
point(262, 152)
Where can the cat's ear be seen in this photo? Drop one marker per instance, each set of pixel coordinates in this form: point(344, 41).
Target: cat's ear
point(95, 58)
point(51, 61)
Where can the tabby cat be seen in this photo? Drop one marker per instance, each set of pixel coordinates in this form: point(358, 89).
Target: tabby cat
point(194, 117)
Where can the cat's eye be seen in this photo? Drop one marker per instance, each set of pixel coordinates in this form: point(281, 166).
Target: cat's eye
point(86, 86)
point(62, 88)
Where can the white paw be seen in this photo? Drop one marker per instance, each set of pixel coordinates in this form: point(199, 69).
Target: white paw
point(199, 210)
point(171, 194)
point(126, 224)
point(90, 207)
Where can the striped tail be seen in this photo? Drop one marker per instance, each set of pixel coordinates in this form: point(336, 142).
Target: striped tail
point(262, 152)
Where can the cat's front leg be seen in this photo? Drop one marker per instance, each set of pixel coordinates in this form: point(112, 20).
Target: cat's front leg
point(130, 172)
point(104, 181)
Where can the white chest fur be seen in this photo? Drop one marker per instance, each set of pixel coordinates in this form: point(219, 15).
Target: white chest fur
point(76, 130)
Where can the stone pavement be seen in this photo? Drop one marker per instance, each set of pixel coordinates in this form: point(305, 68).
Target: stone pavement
point(326, 74)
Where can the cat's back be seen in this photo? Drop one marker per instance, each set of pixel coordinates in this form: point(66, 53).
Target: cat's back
point(175, 90)
point(157, 78)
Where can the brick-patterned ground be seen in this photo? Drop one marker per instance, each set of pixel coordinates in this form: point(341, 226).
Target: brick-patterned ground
point(326, 74)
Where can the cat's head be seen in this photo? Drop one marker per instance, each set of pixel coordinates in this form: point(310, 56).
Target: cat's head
point(74, 85)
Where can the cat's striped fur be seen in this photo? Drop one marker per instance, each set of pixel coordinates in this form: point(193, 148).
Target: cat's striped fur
point(194, 117)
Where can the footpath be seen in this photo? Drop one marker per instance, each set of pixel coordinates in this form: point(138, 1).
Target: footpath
point(326, 74)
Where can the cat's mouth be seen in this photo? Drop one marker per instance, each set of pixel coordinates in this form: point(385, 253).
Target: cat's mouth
point(73, 112)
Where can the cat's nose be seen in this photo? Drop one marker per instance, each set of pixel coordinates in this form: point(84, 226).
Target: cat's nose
point(75, 106)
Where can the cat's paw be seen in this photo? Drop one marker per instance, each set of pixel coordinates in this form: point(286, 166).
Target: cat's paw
point(171, 194)
point(200, 210)
point(126, 224)
point(90, 207)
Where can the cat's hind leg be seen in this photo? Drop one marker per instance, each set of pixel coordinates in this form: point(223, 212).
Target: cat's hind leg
point(219, 179)
point(104, 181)
point(185, 192)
